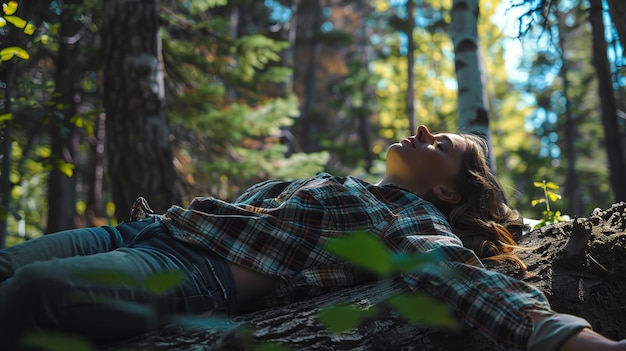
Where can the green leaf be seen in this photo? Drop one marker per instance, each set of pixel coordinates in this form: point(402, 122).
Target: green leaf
point(340, 318)
point(77, 121)
point(164, 281)
point(6, 117)
point(16, 21)
point(420, 308)
point(203, 5)
point(540, 224)
point(66, 168)
point(109, 277)
point(10, 7)
point(146, 312)
point(29, 28)
point(8, 53)
point(50, 341)
point(408, 263)
point(364, 250)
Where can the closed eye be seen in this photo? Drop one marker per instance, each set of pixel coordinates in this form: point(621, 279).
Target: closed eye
point(440, 145)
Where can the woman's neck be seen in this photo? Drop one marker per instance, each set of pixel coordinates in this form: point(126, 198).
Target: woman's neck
point(398, 183)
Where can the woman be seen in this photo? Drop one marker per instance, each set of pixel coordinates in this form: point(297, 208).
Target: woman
point(268, 245)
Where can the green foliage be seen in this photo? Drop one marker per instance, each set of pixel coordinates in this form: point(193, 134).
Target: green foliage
point(369, 252)
point(435, 88)
point(28, 176)
point(163, 282)
point(199, 6)
point(8, 52)
point(228, 112)
point(340, 318)
point(355, 100)
point(548, 63)
point(54, 341)
point(34, 114)
point(157, 284)
point(549, 195)
point(365, 251)
point(255, 52)
point(422, 309)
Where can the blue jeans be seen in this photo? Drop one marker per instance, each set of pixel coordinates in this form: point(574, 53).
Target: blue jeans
point(48, 283)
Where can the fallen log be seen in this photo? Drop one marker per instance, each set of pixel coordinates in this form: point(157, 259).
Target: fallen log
point(580, 265)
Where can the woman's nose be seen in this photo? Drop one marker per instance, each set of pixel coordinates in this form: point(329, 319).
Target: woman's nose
point(423, 134)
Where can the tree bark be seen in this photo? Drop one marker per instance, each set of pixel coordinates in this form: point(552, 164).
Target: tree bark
point(577, 264)
point(96, 203)
point(473, 115)
point(63, 133)
point(306, 53)
point(410, 67)
point(608, 104)
point(571, 179)
point(8, 75)
point(137, 133)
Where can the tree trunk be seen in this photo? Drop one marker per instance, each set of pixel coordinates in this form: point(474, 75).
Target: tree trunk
point(63, 133)
point(607, 103)
point(6, 186)
point(137, 133)
point(571, 180)
point(306, 51)
point(576, 264)
point(410, 57)
point(5, 181)
point(472, 107)
point(95, 208)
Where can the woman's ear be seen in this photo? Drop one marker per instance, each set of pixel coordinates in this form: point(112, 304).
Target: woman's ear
point(447, 194)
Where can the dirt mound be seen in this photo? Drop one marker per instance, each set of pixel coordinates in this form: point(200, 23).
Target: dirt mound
point(581, 267)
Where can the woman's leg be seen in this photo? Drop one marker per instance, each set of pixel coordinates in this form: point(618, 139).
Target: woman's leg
point(67, 294)
point(76, 242)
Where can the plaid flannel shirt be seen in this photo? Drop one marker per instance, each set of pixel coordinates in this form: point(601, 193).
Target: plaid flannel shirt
point(280, 228)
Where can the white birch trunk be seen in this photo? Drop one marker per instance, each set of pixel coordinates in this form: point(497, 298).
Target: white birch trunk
point(472, 107)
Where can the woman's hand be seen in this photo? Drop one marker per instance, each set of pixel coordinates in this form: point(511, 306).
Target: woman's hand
point(587, 339)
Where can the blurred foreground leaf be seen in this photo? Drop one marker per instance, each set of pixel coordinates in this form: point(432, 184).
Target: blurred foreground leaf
point(162, 282)
point(48, 341)
point(344, 317)
point(420, 308)
point(364, 250)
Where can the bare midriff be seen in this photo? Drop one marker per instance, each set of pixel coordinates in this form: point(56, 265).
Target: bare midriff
point(250, 284)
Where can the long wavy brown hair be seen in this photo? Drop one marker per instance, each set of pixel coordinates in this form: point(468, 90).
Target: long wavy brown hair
point(483, 220)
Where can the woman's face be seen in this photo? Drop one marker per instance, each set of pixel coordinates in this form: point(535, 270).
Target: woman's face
point(426, 160)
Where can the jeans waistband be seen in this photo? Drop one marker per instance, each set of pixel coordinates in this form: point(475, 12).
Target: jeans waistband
point(219, 269)
point(211, 266)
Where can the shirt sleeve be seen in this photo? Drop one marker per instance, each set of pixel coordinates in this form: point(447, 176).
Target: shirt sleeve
point(552, 332)
point(495, 304)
